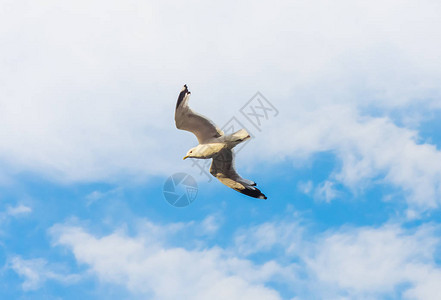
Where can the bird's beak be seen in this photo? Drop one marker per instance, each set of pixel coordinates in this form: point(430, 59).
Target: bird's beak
point(185, 157)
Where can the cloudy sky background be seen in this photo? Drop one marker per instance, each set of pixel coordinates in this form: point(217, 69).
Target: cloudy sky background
point(351, 164)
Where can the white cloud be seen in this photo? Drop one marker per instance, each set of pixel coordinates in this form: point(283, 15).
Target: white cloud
point(375, 261)
point(37, 271)
point(354, 263)
point(97, 195)
point(347, 262)
point(326, 191)
point(77, 107)
point(265, 236)
point(305, 187)
point(146, 266)
point(210, 224)
point(18, 210)
point(371, 151)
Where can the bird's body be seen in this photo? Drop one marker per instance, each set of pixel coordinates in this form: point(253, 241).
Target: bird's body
point(213, 143)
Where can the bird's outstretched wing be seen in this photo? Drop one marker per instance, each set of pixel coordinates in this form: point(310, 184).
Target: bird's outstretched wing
point(186, 119)
point(222, 167)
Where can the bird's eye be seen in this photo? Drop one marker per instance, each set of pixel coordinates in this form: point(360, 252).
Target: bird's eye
point(191, 151)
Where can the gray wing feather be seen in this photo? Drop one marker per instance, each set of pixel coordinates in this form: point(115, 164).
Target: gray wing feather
point(187, 119)
point(222, 167)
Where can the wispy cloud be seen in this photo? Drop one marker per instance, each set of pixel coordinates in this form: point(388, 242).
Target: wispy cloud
point(359, 263)
point(77, 108)
point(148, 267)
point(365, 262)
point(98, 114)
point(18, 210)
point(37, 271)
point(369, 150)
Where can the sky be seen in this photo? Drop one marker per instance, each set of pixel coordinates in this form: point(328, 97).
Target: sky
point(348, 149)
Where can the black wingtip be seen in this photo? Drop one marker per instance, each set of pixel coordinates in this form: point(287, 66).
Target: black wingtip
point(182, 95)
point(186, 89)
point(254, 192)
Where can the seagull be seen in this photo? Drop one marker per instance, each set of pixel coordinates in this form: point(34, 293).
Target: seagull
point(214, 144)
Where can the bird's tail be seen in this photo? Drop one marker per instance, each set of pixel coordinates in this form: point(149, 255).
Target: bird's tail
point(238, 137)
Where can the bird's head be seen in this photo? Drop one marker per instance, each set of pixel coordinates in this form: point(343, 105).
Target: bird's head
point(204, 150)
point(191, 153)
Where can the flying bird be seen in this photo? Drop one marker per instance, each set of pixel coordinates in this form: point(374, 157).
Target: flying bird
point(214, 144)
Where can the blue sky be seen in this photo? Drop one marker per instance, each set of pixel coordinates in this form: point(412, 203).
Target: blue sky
point(351, 163)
